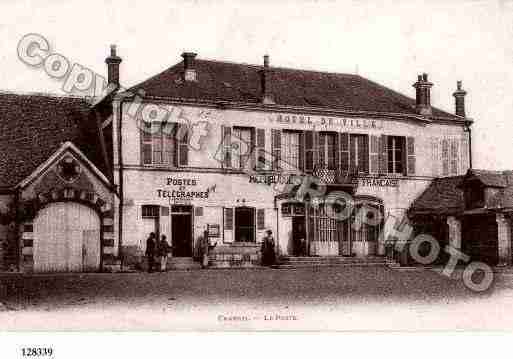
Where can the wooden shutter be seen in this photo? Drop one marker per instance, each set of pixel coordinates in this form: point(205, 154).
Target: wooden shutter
point(383, 155)
point(260, 219)
point(309, 151)
point(226, 133)
point(363, 148)
point(445, 157)
point(322, 161)
point(301, 151)
point(374, 155)
point(228, 225)
point(464, 150)
point(228, 219)
point(146, 143)
point(410, 155)
point(260, 149)
point(336, 152)
point(183, 144)
point(276, 149)
point(315, 146)
point(435, 157)
point(344, 156)
point(454, 156)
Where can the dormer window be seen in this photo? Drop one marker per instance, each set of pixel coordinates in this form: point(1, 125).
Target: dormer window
point(474, 196)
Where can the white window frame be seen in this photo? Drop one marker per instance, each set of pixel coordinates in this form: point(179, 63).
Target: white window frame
point(289, 158)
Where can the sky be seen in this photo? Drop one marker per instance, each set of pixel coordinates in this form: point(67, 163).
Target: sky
point(389, 42)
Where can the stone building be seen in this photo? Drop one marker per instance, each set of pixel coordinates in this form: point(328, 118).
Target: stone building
point(269, 128)
point(223, 150)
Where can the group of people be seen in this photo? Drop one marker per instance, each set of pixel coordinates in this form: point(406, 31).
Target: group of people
point(157, 252)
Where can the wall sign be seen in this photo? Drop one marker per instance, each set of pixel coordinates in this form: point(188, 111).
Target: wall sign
point(183, 190)
point(378, 182)
point(273, 179)
point(324, 121)
point(213, 230)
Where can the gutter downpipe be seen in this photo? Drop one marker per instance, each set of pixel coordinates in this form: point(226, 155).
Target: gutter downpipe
point(469, 130)
point(120, 185)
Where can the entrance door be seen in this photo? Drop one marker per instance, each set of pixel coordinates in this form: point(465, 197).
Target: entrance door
point(244, 224)
point(66, 238)
point(479, 239)
point(299, 245)
point(344, 237)
point(181, 231)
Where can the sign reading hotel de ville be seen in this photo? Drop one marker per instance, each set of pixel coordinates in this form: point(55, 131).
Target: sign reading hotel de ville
point(324, 121)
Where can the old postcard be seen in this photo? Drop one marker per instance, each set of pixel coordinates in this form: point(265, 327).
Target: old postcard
point(250, 166)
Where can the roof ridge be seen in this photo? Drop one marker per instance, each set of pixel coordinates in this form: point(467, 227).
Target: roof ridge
point(41, 94)
point(277, 67)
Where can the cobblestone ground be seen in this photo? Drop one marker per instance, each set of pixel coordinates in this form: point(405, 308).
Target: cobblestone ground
point(307, 298)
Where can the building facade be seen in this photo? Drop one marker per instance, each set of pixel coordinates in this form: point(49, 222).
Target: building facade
point(269, 129)
point(224, 151)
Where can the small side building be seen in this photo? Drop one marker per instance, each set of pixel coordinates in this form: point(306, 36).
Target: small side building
point(56, 195)
point(472, 213)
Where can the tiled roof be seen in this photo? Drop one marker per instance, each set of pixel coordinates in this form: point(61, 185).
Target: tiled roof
point(33, 127)
point(442, 196)
point(445, 195)
point(489, 178)
point(241, 83)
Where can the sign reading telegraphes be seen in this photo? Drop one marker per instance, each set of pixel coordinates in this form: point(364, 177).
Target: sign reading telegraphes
point(183, 190)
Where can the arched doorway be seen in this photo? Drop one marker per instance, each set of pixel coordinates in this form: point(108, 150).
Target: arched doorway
point(66, 238)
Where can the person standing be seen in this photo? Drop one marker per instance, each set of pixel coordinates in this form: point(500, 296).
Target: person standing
point(164, 250)
point(150, 251)
point(267, 250)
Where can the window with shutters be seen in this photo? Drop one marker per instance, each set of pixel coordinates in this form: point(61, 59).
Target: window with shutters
point(326, 150)
point(241, 154)
point(158, 145)
point(150, 211)
point(359, 153)
point(290, 143)
point(396, 154)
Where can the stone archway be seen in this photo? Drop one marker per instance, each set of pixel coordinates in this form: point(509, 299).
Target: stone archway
point(102, 206)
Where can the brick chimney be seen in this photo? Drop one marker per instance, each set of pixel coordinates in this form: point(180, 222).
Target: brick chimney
point(267, 97)
point(113, 62)
point(459, 99)
point(423, 95)
point(189, 70)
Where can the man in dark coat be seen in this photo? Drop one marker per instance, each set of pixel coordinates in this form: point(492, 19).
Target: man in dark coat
point(150, 251)
point(268, 253)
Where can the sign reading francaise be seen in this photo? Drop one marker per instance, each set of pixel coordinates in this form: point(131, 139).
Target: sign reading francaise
point(378, 182)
